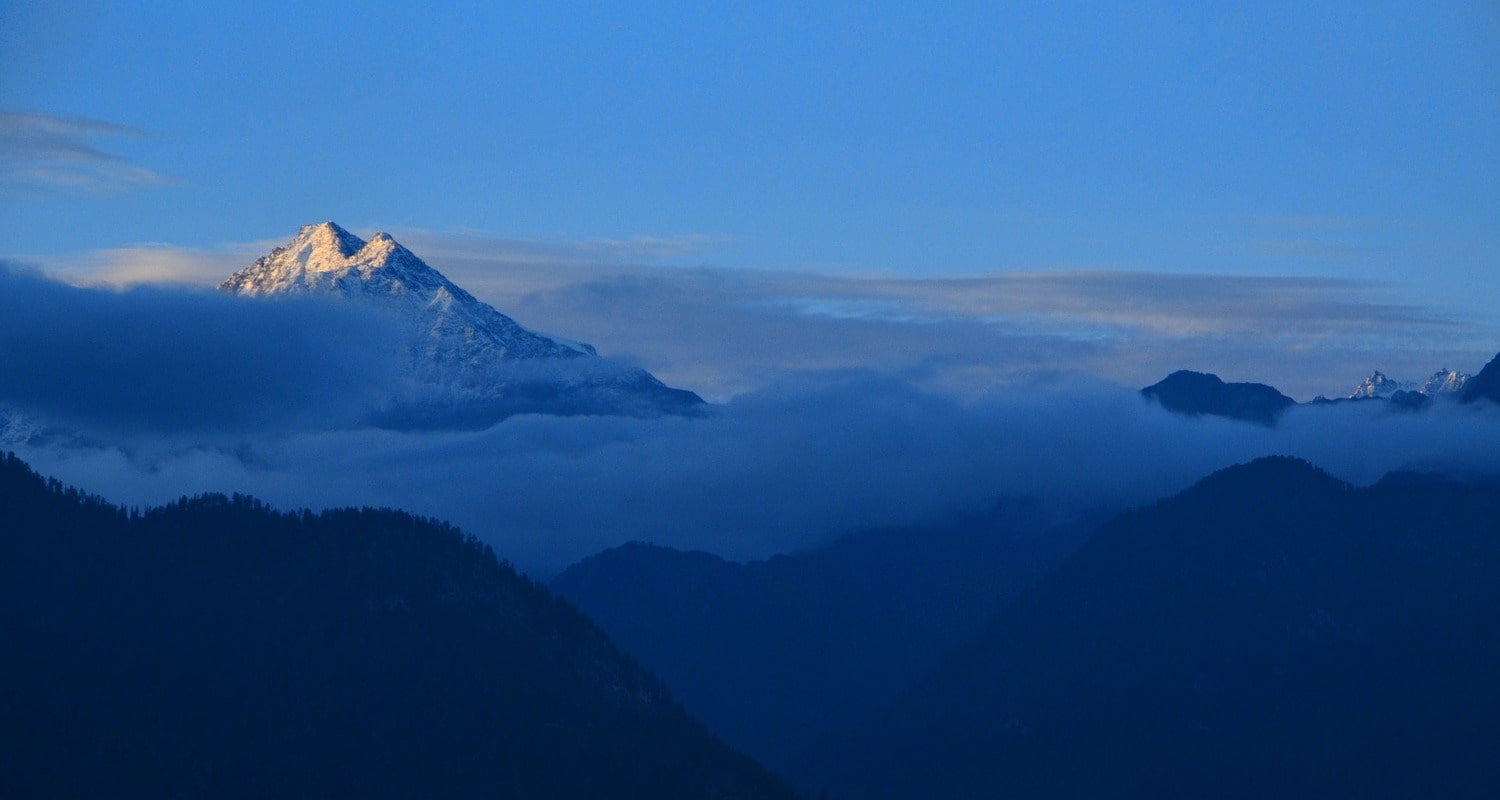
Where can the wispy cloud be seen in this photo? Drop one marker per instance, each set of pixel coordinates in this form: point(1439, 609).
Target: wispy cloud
point(723, 331)
point(732, 328)
point(124, 267)
point(60, 152)
point(1168, 305)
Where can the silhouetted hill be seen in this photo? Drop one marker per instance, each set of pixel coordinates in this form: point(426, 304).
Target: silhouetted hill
point(774, 654)
point(1270, 632)
point(1198, 393)
point(215, 648)
point(1485, 385)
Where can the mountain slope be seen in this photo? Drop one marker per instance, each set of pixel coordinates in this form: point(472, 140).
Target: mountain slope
point(1485, 385)
point(774, 654)
point(1270, 632)
point(478, 364)
point(1198, 393)
point(217, 648)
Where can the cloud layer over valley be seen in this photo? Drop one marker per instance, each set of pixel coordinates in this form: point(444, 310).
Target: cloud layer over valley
point(843, 402)
point(182, 361)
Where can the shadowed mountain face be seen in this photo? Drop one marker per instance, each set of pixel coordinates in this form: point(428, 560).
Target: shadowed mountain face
point(217, 648)
point(1197, 393)
point(470, 364)
point(772, 655)
point(1485, 385)
point(1271, 632)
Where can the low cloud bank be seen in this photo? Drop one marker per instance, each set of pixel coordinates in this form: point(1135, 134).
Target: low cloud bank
point(778, 469)
point(175, 361)
point(854, 416)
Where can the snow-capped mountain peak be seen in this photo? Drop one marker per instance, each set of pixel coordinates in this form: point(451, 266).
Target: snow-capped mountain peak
point(323, 246)
point(1378, 385)
point(326, 259)
point(1444, 381)
point(459, 344)
point(322, 257)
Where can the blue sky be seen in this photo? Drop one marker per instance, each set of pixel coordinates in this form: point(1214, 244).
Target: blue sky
point(1341, 140)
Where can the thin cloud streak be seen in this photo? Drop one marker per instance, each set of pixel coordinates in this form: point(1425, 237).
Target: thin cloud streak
point(56, 151)
point(1308, 336)
point(147, 264)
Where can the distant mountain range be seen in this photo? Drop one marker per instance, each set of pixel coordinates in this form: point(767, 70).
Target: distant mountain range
point(477, 364)
point(1204, 394)
point(1444, 381)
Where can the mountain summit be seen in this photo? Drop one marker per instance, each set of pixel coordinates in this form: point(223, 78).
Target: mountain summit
point(1378, 385)
point(475, 364)
point(1444, 381)
point(326, 259)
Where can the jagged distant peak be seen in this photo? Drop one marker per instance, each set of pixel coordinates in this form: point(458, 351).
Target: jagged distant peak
point(382, 240)
point(1444, 381)
point(381, 245)
point(1378, 384)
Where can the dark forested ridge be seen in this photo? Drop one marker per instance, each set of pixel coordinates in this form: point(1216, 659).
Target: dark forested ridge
point(773, 655)
point(1270, 632)
point(215, 647)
